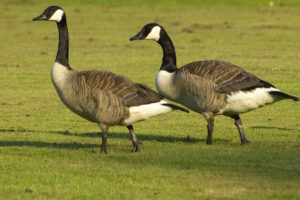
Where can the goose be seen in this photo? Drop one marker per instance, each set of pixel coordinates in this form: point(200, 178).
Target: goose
point(209, 87)
point(101, 97)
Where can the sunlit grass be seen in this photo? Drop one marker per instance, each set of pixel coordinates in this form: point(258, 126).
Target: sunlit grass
point(47, 152)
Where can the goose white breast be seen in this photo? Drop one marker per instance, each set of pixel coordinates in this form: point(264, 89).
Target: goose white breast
point(59, 75)
point(164, 84)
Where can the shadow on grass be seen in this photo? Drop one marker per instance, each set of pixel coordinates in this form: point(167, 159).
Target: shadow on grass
point(141, 137)
point(40, 144)
point(272, 127)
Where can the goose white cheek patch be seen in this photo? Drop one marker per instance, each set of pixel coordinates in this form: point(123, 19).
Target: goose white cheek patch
point(154, 34)
point(57, 16)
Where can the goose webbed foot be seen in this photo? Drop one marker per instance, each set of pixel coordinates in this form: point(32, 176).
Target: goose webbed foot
point(245, 141)
point(104, 149)
point(104, 130)
point(209, 136)
point(135, 142)
point(210, 127)
point(104, 141)
point(208, 142)
point(238, 124)
point(136, 146)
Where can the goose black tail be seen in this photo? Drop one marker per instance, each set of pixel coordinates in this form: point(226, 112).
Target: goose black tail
point(284, 95)
point(174, 107)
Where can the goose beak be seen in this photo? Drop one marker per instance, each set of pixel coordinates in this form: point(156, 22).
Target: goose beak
point(41, 17)
point(138, 36)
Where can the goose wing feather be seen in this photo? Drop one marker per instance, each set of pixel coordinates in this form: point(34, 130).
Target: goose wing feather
point(226, 76)
point(130, 93)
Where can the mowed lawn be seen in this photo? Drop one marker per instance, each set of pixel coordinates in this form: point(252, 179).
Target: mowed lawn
point(47, 152)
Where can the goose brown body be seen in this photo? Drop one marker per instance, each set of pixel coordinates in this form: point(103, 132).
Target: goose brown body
point(101, 96)
point(210, 82)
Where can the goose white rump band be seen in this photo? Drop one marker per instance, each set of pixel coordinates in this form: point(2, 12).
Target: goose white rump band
point(143, 112)
point(244, 101)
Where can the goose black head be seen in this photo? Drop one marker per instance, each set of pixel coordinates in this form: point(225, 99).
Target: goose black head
point(150, 31)
point(52, 13)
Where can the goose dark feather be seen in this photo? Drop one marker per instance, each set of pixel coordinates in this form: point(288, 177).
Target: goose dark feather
point(130, 93)
point(227, 77)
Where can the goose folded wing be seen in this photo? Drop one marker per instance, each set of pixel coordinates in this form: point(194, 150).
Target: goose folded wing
point(243, 81)
point(142, 94)
point(226, 76)
point(130, 93)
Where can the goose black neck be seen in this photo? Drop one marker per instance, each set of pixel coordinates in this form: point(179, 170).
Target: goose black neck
point(62, 56)
point(169, 55)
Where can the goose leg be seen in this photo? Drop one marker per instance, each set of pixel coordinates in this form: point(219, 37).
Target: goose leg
point(210, 127)
point(238, 124)
point(134, 139)
point(104, 130)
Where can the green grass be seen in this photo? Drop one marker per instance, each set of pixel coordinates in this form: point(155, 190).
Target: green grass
point(162, 2)
point(47, 152)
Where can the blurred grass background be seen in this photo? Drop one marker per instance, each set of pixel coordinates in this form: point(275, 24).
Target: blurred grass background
point(47, 152)
point(166, 2)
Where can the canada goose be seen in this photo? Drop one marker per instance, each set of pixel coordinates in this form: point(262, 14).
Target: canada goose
point(209, 87)
point(99, 96)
